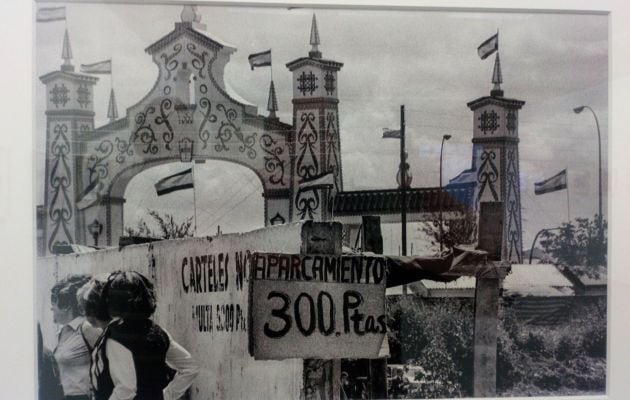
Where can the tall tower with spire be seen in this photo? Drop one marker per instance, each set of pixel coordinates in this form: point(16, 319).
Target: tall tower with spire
point(316, 142)
point(496, 161)
point(69, 115)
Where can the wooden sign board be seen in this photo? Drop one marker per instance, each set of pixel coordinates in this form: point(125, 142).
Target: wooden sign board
point(317, 306)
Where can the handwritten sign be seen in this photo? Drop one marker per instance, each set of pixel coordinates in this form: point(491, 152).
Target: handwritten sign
point(316, 306)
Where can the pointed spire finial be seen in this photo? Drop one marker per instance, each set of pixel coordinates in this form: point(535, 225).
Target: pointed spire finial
point(112, 110)
point(66, 54)
point(314, 53)
point(497, 78)
point(272, 102)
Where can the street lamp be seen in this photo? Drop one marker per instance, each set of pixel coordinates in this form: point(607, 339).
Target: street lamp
point(578, 110)
point(403, 181)
point(531, 251)
point(95, 228)
point(444, 138)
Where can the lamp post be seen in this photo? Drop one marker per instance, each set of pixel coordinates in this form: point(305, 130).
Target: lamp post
point(531, 251)
point(95, 228)
point(578, 110)
point(444, 138)
point(403, 178)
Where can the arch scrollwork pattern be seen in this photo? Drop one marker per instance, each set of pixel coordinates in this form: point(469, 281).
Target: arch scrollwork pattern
point(61, 209)
point(208, 117)
point(274, 165)
point(199, 60)
point(144, 132)
point(97, 164)
point(123, 147)
point(488, 174)
point(307, 165)
point(229, 129)
point(166, 106)
point(170, 63)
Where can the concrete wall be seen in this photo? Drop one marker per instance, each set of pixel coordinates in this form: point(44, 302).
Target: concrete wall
point(206, 315)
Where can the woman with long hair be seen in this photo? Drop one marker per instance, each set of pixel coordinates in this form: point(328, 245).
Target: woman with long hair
point(134, 358)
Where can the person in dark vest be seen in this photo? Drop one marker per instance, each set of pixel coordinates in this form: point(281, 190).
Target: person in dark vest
point(134, 357)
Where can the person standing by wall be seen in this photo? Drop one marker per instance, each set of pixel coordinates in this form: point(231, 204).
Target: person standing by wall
point(134, 356)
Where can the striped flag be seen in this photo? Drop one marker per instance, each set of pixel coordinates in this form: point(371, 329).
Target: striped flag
point(262, 59)
point(488, 47)
point(180, 181)
point(49, 14)
point(101, 67)
point(391, 134)
point(555, 183)
point(322, 181)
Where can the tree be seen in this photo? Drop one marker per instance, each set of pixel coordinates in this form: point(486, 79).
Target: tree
point(456, 231)
point(578, 243)
point(168, 228)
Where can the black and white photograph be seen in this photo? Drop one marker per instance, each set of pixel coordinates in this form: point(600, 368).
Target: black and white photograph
point(320, 201)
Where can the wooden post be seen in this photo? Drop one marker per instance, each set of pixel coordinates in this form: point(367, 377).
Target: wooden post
point(372, 240)
point(488, 283)
point(321, 377)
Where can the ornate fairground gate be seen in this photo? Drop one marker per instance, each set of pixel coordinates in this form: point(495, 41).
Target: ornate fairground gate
point(189, 115)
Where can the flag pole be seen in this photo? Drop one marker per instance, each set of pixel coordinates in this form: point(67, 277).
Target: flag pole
point(192, 171)
point(568, 202)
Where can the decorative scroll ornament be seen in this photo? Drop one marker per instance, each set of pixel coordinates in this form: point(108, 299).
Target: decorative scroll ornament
point(83, 96)
point(170, 64)
point(329, 84)
point(165, 110)
point(199, 62)
point(274, 165)
point(61, 208)
point(307, 165)
point(208, 117)
point(229, 129)
point(97, 165)
point(306, 203)
point(124, 150)
point(513, 209)
point(512, 122)
point(488, 122)
point(488, 174)
point(145, 132)
point(332, 159)
point(307, 83)
point(59, 95)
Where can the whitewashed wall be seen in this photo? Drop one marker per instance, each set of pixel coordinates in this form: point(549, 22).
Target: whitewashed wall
point(227, 370)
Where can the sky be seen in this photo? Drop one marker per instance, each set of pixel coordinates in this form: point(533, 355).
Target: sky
point(424, 60)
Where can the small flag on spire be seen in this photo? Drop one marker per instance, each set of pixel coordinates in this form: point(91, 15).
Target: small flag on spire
point(101, 67)
point(66, 53)
point(262, 59)
point(488, 47)
point(50, 14)
point(272, 102)
point(112, 110)
point(314, 53)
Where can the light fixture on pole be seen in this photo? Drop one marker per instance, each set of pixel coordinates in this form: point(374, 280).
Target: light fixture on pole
point(444, 138)
point(402, 181)
point(578, 110)
point(95, 229)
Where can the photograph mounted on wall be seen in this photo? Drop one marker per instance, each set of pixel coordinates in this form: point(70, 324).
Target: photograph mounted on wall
point(239, 202)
